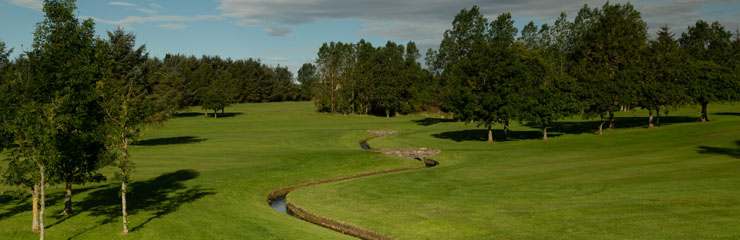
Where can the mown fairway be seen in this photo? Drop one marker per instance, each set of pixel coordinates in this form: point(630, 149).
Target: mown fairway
point(205, 178)
point(678, 181)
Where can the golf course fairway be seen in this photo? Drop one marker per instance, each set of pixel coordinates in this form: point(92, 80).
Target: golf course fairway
point(203, 178)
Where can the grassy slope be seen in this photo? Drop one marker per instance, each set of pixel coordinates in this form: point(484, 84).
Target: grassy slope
point(678, 181)
point(205, 178)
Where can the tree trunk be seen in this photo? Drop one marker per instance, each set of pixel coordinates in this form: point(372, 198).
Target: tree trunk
point(35, 207)
point(657, 116)
point(205, 112)
point(544, 136)
point(222, 111)
point(506, 130)
point(68, 199)
point(215, 113)
point(601, 126)
point(123, 207)
point(704, 117)
point(650, 119)
point(124, 181)
point(42, 199)
point(611, 120)
point(490, 133)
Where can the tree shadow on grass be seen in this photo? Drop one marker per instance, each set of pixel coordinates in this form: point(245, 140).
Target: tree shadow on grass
point(22, 201)
point(727, 114)
point(732, 152)
point(482, 135)
point(161, 195)
point(210, 114)
point(569, 127)
point(431, 121)
point(169, 141)
point(12, 205)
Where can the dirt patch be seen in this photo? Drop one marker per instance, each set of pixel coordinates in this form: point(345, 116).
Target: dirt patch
point(380, 133)
point(411, 152)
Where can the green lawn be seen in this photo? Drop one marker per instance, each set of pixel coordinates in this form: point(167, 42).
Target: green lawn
point(678, 181)
point(205, 178)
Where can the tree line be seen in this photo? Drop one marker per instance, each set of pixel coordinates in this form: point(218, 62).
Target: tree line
point(75, 102)
point(358, 78)
point(490, 72)
point(214, 83)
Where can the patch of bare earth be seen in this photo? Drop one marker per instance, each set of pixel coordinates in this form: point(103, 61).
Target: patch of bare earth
point(381, 133)
point(411, 152)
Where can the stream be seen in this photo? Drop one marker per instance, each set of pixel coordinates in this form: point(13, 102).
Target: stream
point(279, 202)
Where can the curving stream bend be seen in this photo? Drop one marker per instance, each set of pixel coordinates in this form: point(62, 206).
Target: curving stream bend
point(277, 199)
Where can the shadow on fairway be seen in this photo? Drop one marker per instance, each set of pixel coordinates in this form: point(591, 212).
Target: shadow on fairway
point(158, 196)
point(169, 141)
point(12, 205)
point(727, 114)
point(732, 152)
point(619, 122)
point(210, 114)
point(21, 202)
point(431, 121)
point(482, 135)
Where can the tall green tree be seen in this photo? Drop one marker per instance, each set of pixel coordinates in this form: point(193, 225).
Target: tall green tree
point(6, 73)
point(661, 85)
point(504, 75)
point(548, 93)
point(462, 56)
point(608, 45)
point(129, 102)
point(307, 77)
point(19, 171)
point(710, 77)
point(56, 123)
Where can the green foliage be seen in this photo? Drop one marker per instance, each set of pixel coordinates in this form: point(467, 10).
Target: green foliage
point(359, 78)
point(607, 47)
point(710, 76)
point(662, 85)
point(56, 121)
point(308, 78)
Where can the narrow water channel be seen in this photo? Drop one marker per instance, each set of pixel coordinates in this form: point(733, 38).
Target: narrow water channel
point(279, 204)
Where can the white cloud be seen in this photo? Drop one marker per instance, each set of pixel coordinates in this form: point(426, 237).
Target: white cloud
point(427, 19)
point(123, 4)
point(172, 26)
point(139, 20)
point(154, 5)
point(278, 32)
point(148, 11)
point(32, 4)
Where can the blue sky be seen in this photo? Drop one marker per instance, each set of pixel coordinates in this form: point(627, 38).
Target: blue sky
point(289, 32)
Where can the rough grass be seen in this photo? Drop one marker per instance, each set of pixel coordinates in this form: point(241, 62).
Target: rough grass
point(677, 181)
point(205, 178)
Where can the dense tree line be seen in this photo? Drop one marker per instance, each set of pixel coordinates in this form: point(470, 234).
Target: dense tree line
point(214, 83)
point(489, 72)
point(362, 79)
point(600, 63)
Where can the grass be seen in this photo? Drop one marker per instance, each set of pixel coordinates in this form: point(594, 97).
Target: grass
point(205, 178)
point(677, 181)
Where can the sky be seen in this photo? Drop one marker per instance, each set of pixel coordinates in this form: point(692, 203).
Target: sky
point(289, 32)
